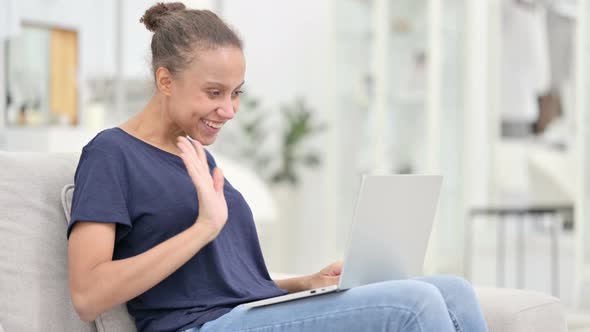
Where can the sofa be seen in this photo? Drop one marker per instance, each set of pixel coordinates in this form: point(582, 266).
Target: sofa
point(34, 293)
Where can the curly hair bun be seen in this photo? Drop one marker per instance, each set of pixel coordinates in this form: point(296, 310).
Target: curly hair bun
point(152, 18)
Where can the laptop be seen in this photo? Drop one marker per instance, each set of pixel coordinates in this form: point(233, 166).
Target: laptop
point(389, 236)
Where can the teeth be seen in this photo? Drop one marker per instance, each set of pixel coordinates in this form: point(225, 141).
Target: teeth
point(213, 124)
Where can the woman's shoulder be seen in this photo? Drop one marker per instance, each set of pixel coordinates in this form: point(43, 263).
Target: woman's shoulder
point(103, 153)
point(108, 140)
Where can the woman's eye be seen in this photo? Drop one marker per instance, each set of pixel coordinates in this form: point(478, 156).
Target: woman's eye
point(215, 93)
point(238, 92)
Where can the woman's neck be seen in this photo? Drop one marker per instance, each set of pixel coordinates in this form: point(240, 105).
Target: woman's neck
point(154, 126)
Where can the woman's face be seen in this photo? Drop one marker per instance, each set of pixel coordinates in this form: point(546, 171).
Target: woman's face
point(206, 94)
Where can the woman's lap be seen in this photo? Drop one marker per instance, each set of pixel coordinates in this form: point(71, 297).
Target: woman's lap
point(461, 301)
point(434, 303)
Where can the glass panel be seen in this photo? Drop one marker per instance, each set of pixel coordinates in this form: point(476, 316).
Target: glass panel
point(41, 85)
point(408, 74)
point(449, 229)
point(27, 81)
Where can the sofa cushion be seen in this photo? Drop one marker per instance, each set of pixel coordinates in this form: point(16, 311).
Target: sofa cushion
point(118, 318)
point(33, 250)
point(510, 310)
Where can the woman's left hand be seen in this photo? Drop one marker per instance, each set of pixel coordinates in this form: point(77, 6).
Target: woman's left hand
point(330, 275)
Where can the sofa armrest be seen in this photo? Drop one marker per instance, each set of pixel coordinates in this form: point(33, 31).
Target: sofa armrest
point(511, 310)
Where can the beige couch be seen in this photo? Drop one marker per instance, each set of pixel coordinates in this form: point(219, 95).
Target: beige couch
point(33, 260)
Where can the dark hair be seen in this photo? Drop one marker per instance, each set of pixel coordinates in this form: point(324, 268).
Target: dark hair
point(179, 31)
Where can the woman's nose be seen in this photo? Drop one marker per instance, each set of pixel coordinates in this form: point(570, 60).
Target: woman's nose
point(226, 111)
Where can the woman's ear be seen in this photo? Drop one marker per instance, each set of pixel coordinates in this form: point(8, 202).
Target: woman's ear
point(164, 81)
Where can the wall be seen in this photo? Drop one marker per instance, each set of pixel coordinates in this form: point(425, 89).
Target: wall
point(288, 47)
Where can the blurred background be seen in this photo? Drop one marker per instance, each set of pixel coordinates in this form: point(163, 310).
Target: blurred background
point(492, 94)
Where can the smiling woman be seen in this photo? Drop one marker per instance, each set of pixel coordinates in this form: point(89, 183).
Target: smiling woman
point(198, 67)
point(154, 223)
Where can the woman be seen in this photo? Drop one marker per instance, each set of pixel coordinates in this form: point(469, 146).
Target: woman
point(155, 224)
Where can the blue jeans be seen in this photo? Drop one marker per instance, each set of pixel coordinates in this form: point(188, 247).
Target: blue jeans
point(434, 303)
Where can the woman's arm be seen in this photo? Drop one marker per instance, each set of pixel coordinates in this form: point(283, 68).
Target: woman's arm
point(97, 283)
point(329, 275)
point(293, 285)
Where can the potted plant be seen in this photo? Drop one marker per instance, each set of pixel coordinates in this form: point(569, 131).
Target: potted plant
point(278, 154)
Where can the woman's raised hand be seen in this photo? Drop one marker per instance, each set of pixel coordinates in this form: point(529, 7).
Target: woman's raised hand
point(212, 204)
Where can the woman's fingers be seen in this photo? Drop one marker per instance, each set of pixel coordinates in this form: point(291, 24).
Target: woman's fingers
point(196, 170)
point(196, 150)
point(190, 167)
point(198, 167)
point(211, 199)
point(199, 149)
point(333, 269)
point(218, 179)
point(189, 149)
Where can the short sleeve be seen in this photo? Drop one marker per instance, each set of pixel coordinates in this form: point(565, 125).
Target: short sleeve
point(101, 190)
